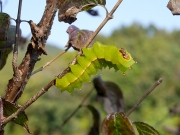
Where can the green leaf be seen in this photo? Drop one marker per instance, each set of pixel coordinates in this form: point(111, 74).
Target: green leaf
point(21, 119)
point(68, 9)
point(4, 25)
point(117, 124)
point(145, 129)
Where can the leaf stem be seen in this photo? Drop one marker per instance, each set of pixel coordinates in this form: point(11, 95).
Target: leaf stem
point(145, 95)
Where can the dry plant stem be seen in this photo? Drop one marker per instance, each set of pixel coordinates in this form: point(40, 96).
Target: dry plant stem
point(15, 51)
point(108, 17)
point(17, 84)
point(74, 112)
point(145, 95)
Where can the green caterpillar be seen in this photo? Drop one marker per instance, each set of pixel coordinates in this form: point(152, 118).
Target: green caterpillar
point(97, 57)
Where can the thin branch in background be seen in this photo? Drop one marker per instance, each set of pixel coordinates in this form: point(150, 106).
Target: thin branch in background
point(48, 63)
point(145, 95)
point(45, 89)
point(74, 112)
point(15, 51)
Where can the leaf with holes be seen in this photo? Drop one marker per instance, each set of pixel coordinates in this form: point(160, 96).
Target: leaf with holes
point(145, 129)
point(90, 61)
point(68, 9)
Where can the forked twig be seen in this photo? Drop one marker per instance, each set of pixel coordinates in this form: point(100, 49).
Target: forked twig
point(145, 95)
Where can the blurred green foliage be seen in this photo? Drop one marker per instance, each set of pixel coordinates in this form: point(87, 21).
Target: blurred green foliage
point(157, 54)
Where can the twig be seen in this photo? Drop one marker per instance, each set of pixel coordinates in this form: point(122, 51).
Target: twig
point(74, 112)
point(145, 95)
point(15, 51)
point(108, 17)
point(48, 63)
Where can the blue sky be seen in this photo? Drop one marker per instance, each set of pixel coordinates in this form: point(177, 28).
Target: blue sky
point(144, 12)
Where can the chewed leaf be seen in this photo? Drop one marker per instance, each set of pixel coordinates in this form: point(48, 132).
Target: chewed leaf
point(77, 37)
point(117, 124)
point(145, 129)
point(68, 9)
point(4, 25)
point(21, 119)
point(90, 61)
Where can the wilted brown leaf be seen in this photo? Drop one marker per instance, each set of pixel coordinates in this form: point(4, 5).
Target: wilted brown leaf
point(174, 6)
point(69, 9)
point(77, 37)
point(111, 95)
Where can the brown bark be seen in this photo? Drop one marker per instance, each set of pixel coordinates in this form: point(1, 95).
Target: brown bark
point(40, 33)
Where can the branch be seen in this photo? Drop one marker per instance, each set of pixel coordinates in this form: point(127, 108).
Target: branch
point(15, 51)
point(17, 84)
point(145, 95)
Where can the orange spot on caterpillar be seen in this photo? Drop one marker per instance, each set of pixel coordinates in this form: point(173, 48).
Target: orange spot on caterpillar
point(124, 54)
